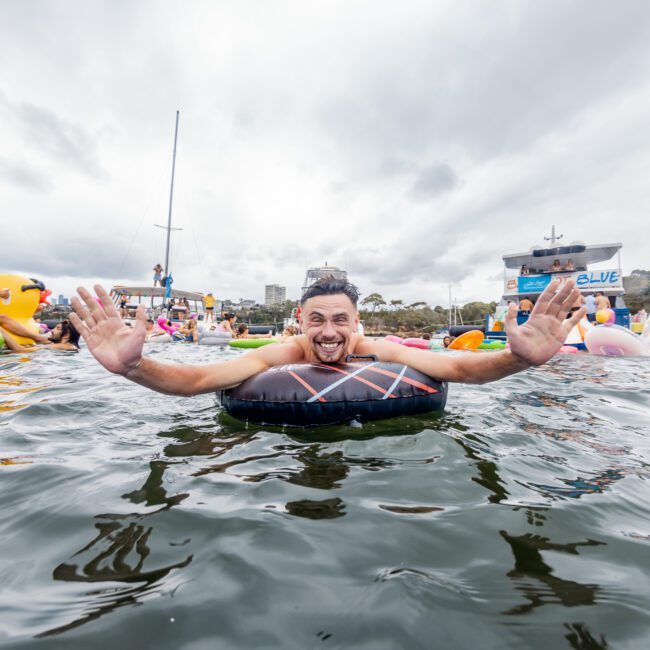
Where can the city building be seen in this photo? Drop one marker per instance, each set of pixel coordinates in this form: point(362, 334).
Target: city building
point(274, 294)
point(62, 300)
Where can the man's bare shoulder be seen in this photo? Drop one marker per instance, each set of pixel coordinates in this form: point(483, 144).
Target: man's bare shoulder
point(291, 351)
point(383, 350)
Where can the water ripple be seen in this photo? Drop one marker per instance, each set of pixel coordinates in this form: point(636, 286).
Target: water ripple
point(516, 518)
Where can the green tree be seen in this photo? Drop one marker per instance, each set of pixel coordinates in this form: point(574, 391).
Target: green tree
point(374, 299)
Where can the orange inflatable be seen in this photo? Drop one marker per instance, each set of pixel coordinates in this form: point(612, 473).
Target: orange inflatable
point(467, 341)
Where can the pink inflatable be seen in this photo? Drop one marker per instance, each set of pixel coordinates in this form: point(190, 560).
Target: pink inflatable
point(417, 343)
point(393, 338)
point(615, 341)
point(167, 325)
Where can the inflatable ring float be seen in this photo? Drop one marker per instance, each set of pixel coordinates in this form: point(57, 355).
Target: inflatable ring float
point(467, 341)
point(214, 337)
point(246, 344)
point(421, 344)
point(614, 341)
point(317, 394)
point(492, 344)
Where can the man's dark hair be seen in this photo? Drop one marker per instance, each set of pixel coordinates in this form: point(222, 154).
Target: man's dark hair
point(329, 286)
point(241, 329)
point(68, 328)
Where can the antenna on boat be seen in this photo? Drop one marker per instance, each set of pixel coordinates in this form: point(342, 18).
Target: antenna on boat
point(169, 228)
point(553, 237)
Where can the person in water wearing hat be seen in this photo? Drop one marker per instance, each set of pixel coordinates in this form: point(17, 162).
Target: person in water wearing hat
point(329, 321)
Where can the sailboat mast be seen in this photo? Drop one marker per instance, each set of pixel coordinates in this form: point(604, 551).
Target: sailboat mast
point(171, 196)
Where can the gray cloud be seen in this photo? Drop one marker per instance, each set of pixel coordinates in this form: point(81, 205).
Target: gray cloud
point(63, 141)
point(414, 156)
point(23, 175)
point(434, 180)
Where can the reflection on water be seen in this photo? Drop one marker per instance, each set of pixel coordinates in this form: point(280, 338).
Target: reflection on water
point(581, 486)
point(535, 579)
point(153, 493)
point(516, 518)
point(117, 554)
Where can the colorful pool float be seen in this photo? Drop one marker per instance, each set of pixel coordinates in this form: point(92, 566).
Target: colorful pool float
point(615, 341)
point(251, 343)
point(319, 394)
point(467, 341)
point(24, 297)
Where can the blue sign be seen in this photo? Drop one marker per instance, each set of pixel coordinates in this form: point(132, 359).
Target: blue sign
point(532, 283)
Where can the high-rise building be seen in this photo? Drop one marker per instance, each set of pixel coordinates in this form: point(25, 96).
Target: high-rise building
point(63, 300)
point(274, 294)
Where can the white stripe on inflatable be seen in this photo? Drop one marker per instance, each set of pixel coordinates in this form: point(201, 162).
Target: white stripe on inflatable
point(397, 381)
point(339, 382)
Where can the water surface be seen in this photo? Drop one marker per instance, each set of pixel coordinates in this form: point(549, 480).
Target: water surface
point(519, 517)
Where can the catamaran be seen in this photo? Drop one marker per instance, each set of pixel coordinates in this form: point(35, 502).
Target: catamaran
point(526, 275)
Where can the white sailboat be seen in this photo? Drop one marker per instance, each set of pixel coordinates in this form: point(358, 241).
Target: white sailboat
point(157, 299)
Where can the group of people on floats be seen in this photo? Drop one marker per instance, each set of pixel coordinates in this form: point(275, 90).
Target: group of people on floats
point(189, 330)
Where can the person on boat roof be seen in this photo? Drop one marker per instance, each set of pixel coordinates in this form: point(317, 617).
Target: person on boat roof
point(208, 307)
point(329, 321)
point(157, 275)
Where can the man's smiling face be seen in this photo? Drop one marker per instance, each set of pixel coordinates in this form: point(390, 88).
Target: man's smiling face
point(329, 323)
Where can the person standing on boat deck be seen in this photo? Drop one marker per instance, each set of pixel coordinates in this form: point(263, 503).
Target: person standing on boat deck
point(329, 320)
point(124, 299)
point(570, 266)
point(556, 266)
point(526, 304)
point(208, 307)
point(590, 303)
point(524, 270)
point(602, 301)
point(157, 275)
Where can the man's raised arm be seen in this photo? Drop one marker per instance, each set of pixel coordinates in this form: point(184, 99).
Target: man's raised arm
point(119, 349)
point(531, 344)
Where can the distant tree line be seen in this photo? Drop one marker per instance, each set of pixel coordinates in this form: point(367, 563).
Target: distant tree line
point(637, 290)
point(417, 317)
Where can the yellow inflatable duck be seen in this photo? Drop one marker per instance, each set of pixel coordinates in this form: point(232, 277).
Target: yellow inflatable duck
point(22, 301)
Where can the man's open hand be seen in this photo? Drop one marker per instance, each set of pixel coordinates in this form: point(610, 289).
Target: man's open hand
point(117, 347)
point(547, 327)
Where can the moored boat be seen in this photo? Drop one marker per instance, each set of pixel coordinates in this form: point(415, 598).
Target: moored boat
point(527, 274)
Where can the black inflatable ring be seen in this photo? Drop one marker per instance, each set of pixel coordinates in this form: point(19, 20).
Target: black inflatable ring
point(317, 394)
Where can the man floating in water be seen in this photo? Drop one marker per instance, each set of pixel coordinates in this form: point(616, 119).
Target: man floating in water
point(329, 321)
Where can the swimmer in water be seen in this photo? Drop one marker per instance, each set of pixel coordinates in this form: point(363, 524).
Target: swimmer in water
point(64, 336)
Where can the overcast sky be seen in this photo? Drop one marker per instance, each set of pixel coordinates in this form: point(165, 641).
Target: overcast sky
point(411, 143)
